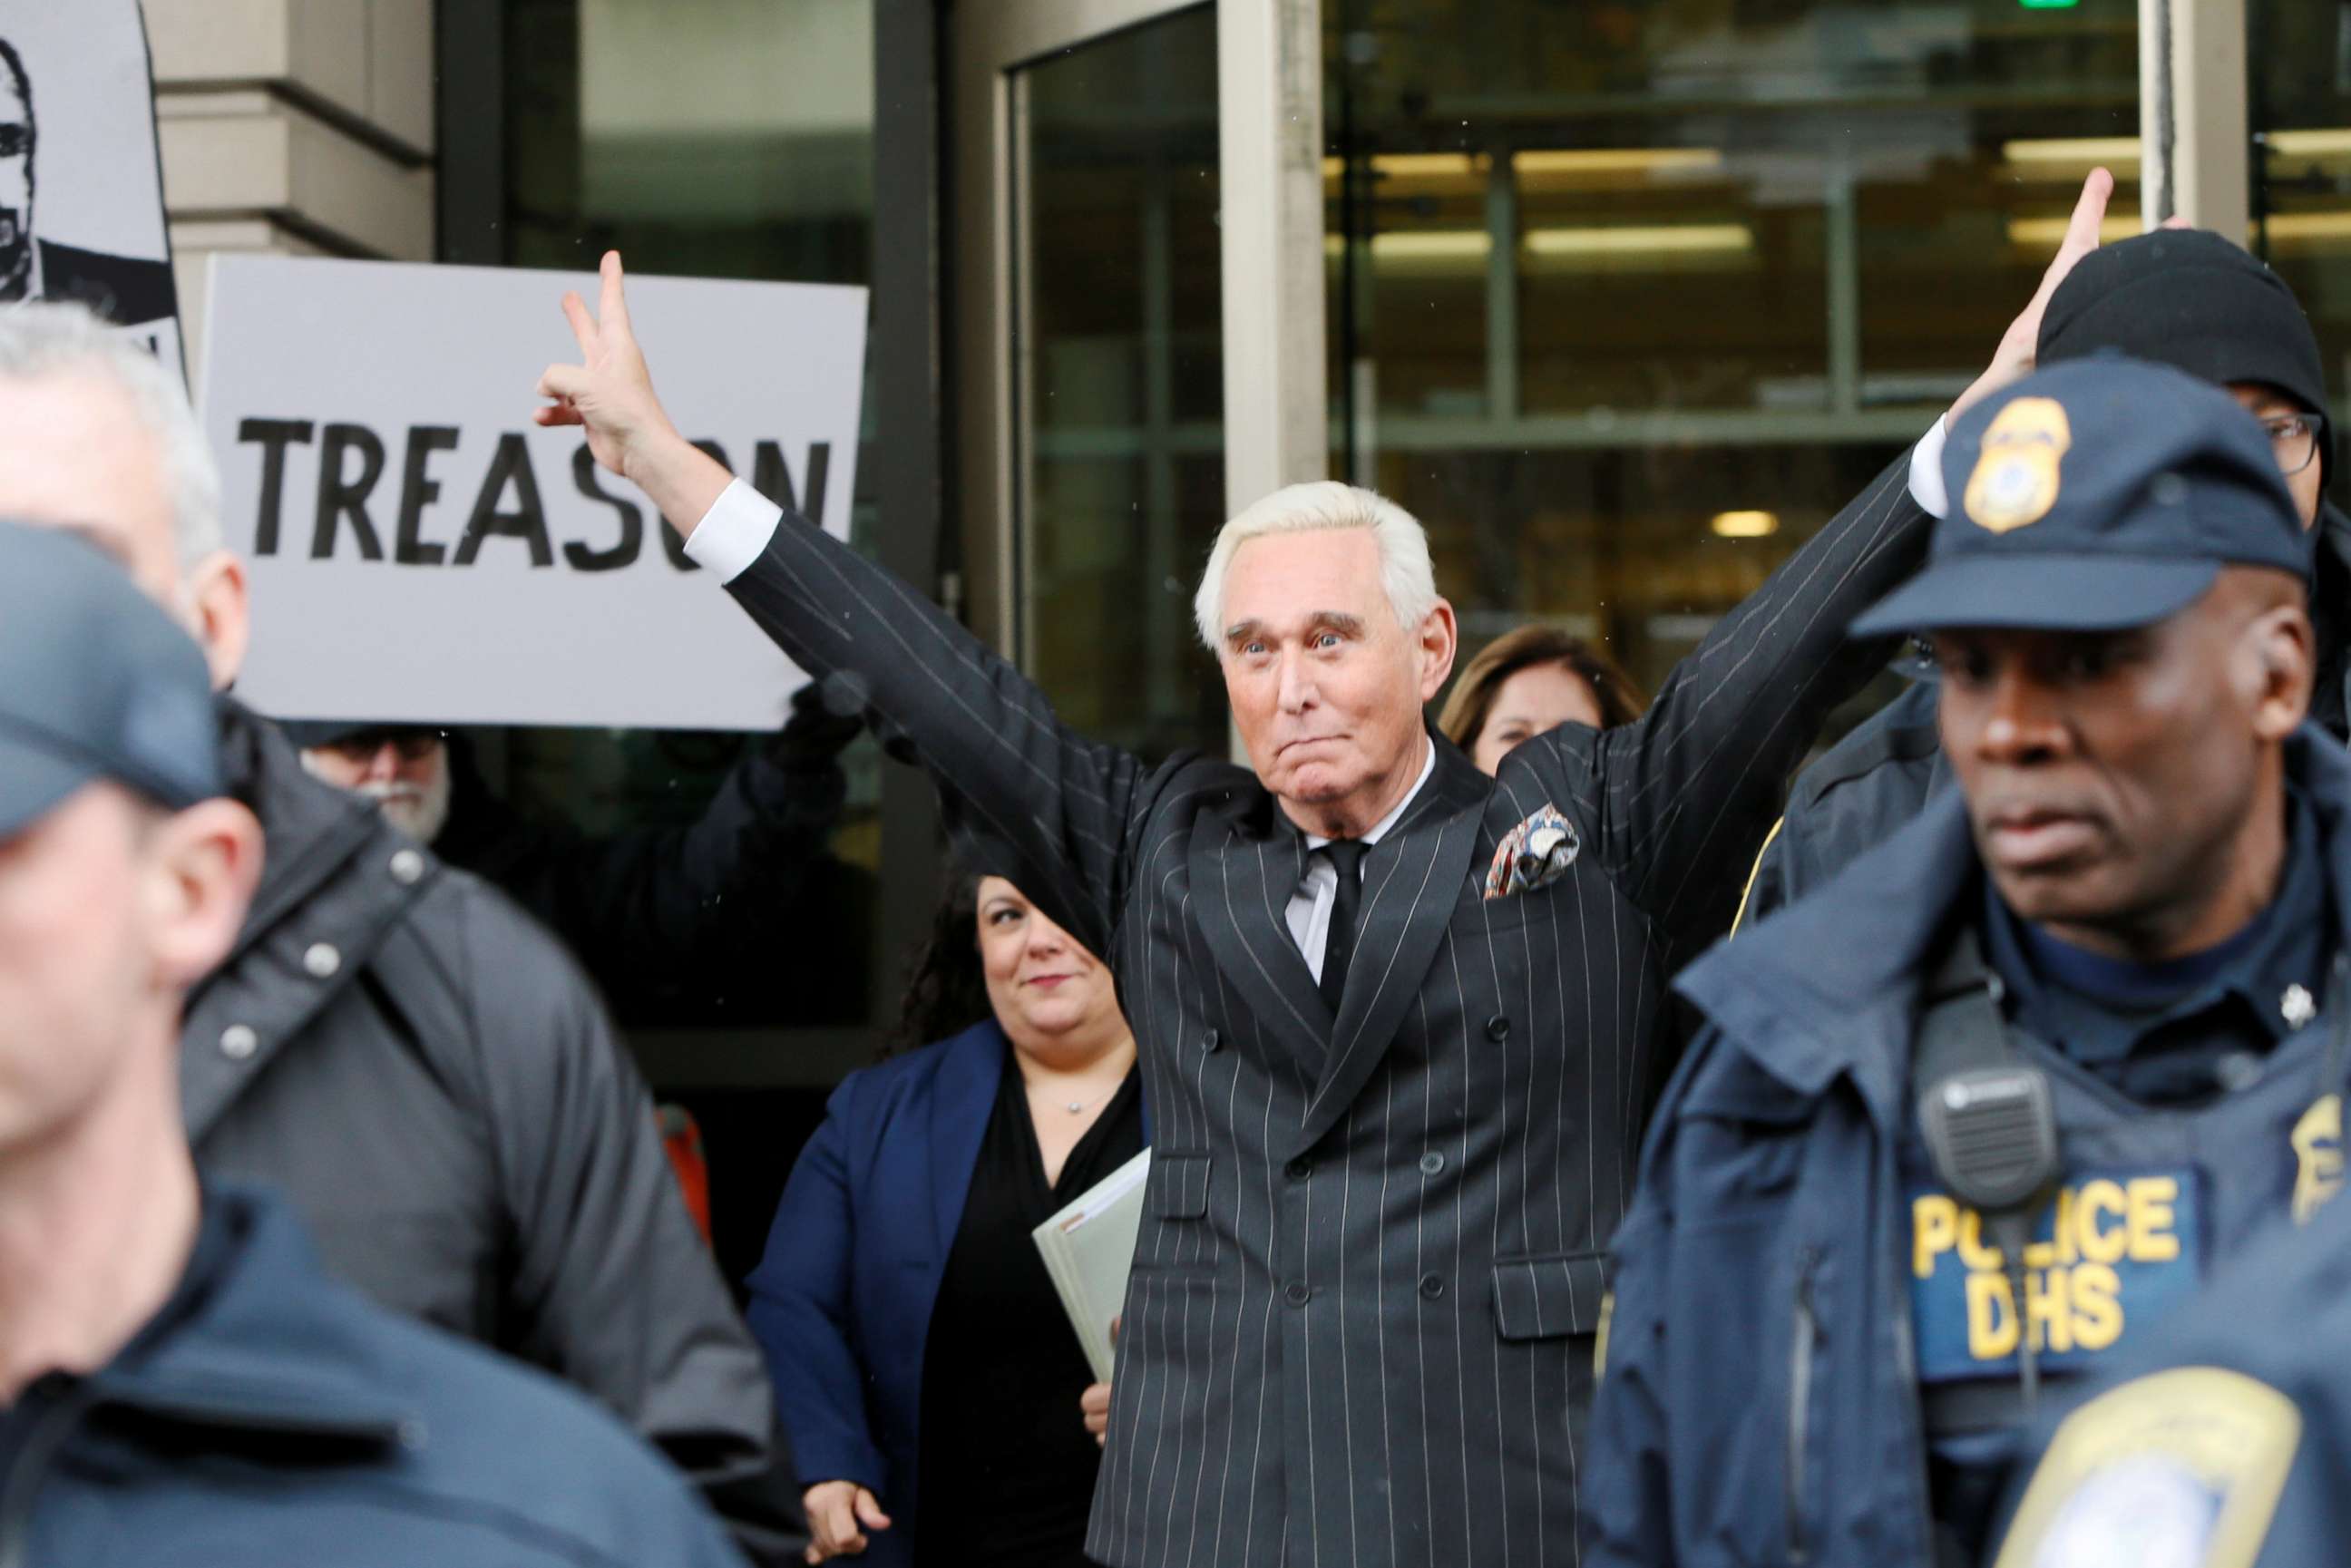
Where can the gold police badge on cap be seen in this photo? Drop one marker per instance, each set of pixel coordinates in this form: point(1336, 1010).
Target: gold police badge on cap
point(2015, 481)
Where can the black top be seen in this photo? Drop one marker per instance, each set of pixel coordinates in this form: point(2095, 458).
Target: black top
point(1007, 1465)
point(2163, 1034)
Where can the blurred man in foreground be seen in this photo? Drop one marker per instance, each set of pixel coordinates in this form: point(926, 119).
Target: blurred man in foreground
point(408, 1057)
point(178, 1381)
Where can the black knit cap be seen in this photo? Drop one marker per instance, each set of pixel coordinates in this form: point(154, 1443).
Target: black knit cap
point(2188, 298)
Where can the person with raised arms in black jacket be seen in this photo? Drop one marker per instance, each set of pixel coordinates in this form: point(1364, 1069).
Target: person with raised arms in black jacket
point(411, 1060)
point(743, 914)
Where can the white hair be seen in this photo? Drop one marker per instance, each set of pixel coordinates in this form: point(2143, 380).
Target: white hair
point(1321, 506)
point(49, 338)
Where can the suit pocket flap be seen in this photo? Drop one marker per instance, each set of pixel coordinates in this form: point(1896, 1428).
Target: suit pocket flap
point(1544, 1297)
point(1177, 1187)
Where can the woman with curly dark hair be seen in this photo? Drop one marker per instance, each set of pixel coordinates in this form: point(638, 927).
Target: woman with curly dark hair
point(910, 1325)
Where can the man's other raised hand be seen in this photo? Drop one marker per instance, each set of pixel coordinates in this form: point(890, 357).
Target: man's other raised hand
point(610, 394)
point(2020, 344)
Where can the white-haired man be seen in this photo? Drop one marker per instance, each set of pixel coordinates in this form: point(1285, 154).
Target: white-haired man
point(411, 1059)
point(1400, 1021)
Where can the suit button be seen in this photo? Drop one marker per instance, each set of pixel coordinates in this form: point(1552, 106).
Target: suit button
point(237, 1042)
point(1431, 1285)
point(1431, 1163)
point(1295, 1294)
point(1498, 1028)
point(1297, 1170)
point(1211, 1040)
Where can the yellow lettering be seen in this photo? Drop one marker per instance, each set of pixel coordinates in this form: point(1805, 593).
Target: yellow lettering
point(2052, 1321)
point(1979, 1257)
point(2101, 1246)
point(2318, 1148)
point(2061, 1229)
point(2097, 1309)
point(1992, 1319)
point(1933, 1226)
point(2150, 1219)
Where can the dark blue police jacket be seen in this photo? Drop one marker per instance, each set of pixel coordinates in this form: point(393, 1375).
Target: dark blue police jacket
point(282, 1419)
point(1759, 1397)
point(2224, 1437)
point(841, 1301)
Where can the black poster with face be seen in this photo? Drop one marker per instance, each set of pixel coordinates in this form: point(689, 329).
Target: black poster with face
point(81, 187)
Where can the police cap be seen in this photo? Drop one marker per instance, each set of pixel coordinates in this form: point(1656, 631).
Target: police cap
point(2095, 495)
point(95, 683)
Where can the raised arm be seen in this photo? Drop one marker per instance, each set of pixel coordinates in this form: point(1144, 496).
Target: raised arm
point(1061, 804)
point(1678, 803)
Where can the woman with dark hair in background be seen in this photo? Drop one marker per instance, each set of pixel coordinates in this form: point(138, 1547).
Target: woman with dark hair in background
point(910, 1325)
point(1530, 680)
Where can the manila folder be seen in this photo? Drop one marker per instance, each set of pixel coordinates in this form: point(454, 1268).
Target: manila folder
point(1088, 1248)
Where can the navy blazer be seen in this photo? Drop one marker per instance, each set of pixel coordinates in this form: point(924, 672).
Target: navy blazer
point(841, 1301)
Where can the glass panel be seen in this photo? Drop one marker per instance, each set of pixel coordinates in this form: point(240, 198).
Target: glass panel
point(2300, 111)
point(658, 129)
point(1119, 400)
point(1604, 274)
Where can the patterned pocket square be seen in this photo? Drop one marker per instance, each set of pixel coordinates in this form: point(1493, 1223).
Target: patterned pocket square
point(1535, 853)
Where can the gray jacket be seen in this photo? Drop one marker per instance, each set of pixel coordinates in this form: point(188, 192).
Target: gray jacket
point(424, 1072)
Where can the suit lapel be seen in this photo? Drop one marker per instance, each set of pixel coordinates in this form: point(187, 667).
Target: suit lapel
point(1244, 867)
point(1413, 881)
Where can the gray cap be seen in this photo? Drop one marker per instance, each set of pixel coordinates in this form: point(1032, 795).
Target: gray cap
point(95, 683)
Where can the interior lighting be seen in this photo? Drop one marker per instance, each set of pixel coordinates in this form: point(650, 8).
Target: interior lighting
point(2051, 232)
point(1639, 239)
point(1749, 524)
point(1573, 161)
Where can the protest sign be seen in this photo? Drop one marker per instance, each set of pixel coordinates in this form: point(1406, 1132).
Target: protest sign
point(81, 187)
point(420, 551)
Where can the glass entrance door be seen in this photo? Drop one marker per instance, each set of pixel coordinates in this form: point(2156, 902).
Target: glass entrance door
point(1092, 436)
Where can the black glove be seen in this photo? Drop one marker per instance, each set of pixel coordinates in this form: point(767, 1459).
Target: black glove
point(815, 734)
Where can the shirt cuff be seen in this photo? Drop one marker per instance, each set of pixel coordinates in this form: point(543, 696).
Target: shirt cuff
point(1925, 471)
point(734, 532)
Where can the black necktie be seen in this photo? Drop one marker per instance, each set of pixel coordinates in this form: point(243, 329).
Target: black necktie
point(1346, 856)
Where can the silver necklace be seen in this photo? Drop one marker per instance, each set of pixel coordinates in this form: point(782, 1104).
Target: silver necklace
point(1075, 1106)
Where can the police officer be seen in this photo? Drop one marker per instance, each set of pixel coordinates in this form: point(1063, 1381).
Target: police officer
point(2184, 298)
point(2061, 1044)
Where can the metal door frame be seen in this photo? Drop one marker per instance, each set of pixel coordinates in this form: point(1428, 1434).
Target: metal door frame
point(1269, 141)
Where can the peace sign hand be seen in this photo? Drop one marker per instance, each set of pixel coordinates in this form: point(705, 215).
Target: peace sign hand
point(610, 395)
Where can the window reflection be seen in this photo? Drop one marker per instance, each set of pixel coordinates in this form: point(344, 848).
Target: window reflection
point(2299, 112)
point(1118, 384)
point(725, 138)
point(1604, 274)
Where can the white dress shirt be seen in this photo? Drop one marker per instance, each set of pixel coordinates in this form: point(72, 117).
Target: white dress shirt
point(1309, 912)
point(733, 532)
point(1925, 471)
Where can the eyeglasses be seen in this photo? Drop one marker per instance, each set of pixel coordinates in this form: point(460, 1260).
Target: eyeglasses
point(2294, 438)
point(412, 745)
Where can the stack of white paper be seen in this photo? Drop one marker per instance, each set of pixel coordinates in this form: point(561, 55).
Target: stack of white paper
point(1088, 1248)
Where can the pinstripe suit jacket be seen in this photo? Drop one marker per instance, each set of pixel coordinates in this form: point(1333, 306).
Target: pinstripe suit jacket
point(1358, 1329)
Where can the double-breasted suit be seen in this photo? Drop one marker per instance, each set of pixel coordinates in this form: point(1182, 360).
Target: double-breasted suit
point(1359, 1329)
